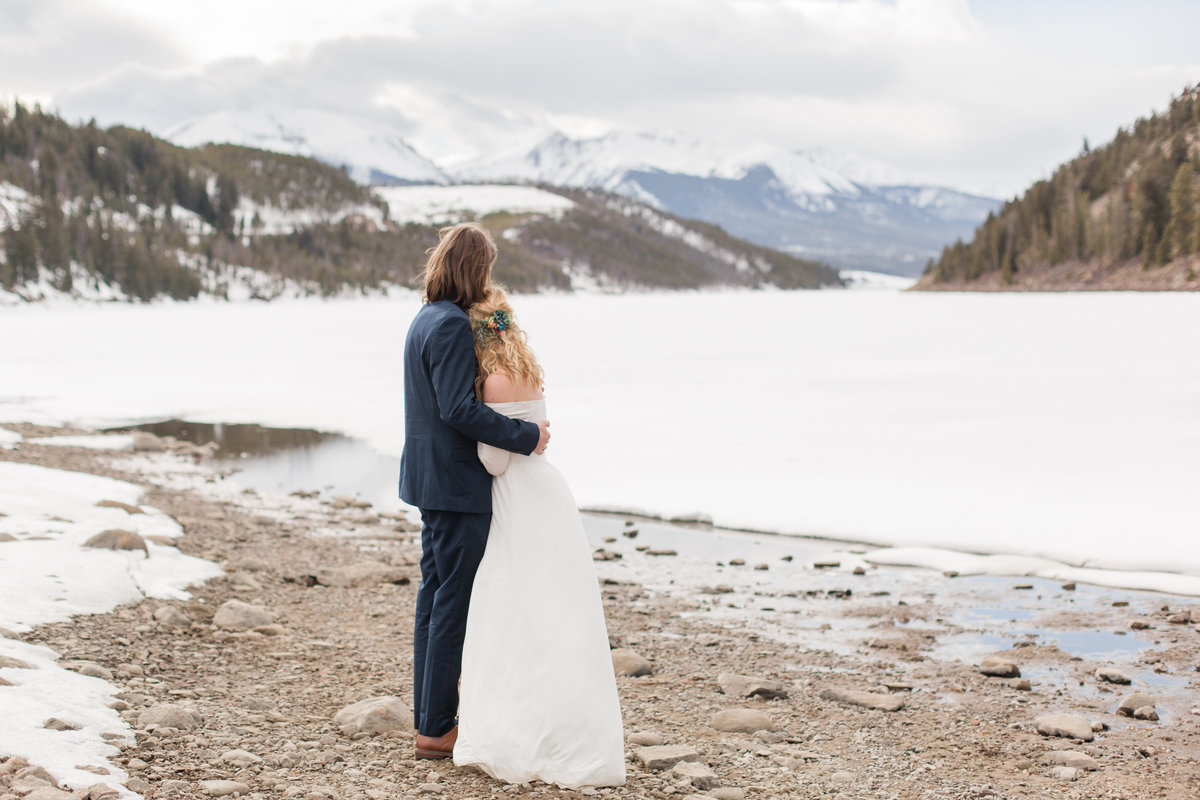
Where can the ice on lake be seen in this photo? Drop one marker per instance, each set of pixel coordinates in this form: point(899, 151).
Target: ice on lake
point(1055, 426)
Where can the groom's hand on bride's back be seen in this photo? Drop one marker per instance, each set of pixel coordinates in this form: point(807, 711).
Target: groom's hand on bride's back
point(543, 436)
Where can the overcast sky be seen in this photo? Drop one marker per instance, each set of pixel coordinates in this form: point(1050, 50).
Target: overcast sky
point(986, 95)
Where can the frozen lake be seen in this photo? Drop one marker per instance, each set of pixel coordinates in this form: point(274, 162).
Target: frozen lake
point(1061, 426)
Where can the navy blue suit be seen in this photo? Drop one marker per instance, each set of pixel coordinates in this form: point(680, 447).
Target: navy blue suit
point(442, 476)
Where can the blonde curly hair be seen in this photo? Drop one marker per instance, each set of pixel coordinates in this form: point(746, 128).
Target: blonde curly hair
point(501, 348)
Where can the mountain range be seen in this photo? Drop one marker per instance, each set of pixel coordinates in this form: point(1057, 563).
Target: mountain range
point(817, 204)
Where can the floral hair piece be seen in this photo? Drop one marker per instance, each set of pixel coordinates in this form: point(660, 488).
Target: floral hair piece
point(493, 326)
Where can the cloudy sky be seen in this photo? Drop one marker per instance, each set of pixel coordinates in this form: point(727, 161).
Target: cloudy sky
point(986, 95)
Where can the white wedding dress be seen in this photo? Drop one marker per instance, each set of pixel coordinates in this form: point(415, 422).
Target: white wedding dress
point(538, 700)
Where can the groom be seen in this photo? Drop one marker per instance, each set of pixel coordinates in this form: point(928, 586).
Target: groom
point(442, 476)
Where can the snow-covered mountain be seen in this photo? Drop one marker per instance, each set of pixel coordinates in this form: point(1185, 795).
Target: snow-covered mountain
point(371, 152)
point(821, 204)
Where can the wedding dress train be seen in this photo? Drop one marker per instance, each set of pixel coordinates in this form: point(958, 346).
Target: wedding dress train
point(538, 700)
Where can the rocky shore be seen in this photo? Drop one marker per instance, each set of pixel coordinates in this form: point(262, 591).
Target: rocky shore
point(288, 677)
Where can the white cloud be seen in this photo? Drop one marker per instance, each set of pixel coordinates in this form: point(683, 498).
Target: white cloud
point(982, 95)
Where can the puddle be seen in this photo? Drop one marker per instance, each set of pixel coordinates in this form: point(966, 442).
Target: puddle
point(285, 460)
point(998, 614)
point(1093, 645)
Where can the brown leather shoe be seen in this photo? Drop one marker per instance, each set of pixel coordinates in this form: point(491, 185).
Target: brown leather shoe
point(437, 746)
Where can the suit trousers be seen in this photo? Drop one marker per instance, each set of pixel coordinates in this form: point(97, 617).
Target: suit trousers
point(452, 545)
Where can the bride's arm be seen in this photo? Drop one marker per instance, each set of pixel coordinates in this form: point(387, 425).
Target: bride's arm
point(495, 460)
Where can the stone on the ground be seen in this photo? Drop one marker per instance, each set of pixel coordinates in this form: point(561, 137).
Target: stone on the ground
point(146, 442)
point(169, 715)
point(56, 724)
point(117, 539)
point(1070, 758)
point(665, 756)
point(1112, 675)
point(1066, 773)
point(102, 791)
point(49, 793)
point(628, 662)
point(1133, 702)
point(8, 662)
point(91, 669)
point(842, 777)
point(352, 575)
point(1022, 685)
point(728, 793)
point(172, 617)
point(700, 774)
point(750, 686)
point(1069, 726)
point(854, 697)
point(742, 720)
point(234, 615)
point(240, 758)
point(118, 504)
point(1146, 712)
point(1180, 618)
point(646, 739)
point(1139, 625)
point(223, 788)
point(248, 564)
point(1000, 667)
point(374, 715)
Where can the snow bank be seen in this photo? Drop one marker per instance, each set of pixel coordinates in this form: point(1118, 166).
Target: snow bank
point(90, 442)
point(49, 576)
point(47, 690)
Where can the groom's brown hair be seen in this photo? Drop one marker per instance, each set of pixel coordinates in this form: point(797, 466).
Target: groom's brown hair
point(459, 267)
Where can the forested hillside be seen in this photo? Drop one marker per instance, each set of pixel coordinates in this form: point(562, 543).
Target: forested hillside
point(1122, 216)
point(118, 213)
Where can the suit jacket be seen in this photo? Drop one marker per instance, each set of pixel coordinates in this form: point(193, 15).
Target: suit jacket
point(443, 419)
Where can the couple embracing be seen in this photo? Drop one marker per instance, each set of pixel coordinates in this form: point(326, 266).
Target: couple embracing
point(508, 596)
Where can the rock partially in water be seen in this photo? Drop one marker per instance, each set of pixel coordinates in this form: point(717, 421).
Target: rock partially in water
point(1112, 675)
point(1000, 667)
point(1133, 702)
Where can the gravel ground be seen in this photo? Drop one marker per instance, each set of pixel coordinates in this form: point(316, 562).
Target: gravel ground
point(264, 699)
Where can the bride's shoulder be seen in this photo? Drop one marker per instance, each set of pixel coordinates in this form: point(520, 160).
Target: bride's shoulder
point(499, 387)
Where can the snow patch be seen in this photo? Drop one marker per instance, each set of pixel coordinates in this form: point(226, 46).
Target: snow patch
point(438, 205)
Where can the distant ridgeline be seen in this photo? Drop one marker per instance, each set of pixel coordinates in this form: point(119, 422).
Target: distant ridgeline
point(118, 213)
point(1123, 216)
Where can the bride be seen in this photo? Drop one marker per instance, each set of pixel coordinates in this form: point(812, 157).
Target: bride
point(538, 696)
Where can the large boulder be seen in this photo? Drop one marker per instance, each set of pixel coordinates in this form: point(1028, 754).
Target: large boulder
point(234, 615)
point(374, 715)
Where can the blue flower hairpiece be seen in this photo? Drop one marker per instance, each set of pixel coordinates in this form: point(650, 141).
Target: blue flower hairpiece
point(493, 326)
